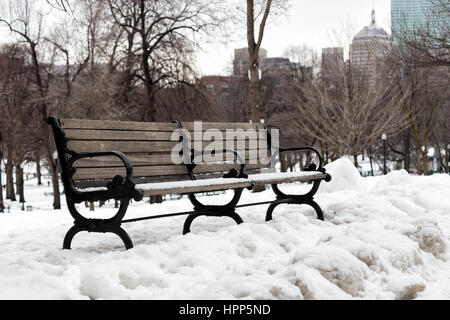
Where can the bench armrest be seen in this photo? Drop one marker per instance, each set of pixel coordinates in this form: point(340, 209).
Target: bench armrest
point(306, 148)
point(242, 173)
point(311, 167)
point(117, 186)
point(118, 154)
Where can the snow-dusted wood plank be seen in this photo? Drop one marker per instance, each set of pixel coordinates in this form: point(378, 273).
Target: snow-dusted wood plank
point(229, 183)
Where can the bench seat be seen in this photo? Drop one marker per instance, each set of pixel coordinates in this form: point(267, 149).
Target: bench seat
point(215, 184)
point(204, 185)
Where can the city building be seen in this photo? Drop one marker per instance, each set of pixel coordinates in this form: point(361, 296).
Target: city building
point(241, 62)
point(408, 15)
point(279, 67)
point(368, 48)
point(217, 85)
point(275, 66)
point(332, 59)
point(332, 63)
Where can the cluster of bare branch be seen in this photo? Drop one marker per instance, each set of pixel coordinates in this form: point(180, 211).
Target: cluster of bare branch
point(110, 59)
point(426, 43)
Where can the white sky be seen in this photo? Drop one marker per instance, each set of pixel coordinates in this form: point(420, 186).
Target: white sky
point(308, 22)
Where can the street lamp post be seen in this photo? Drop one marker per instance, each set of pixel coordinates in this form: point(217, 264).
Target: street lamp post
point(384, 137)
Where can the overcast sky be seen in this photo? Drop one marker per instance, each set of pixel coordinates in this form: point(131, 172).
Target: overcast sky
point(308, 22)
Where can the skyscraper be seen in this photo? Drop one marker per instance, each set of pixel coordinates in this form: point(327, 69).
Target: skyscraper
point(332, 59)
point(368, 47)
point(407, 15)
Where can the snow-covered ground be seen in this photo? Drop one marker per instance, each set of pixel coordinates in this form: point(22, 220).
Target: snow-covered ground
point(385, 237)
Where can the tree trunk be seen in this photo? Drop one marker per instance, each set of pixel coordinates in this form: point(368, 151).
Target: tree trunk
point(17, 173)
point(10, 182)
point(447, 160)
point(302, 165)
point(407, 147)
point(308, 159)
point(56, 194)
point(156, 199)
point(254, 44)
point(149, 113)
point(355, 160)
point(255, 90)
point(38, 170)
point(371, 165)
point(425, 163)
point(283, 163)
point(19, 183)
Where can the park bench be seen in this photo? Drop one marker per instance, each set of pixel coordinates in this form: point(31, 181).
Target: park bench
point(124, 160)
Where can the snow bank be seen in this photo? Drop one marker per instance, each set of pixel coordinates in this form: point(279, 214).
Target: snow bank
point(344, 176)
point(384, 237)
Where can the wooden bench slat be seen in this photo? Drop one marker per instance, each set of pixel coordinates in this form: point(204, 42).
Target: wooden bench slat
point(223, 125)
point(209, 168)
point(148, 171)
point(151, 160)
point(89, 134)
point(123, 146)
point(116, 125)
point(141, 146)
point(151, 126)
point(144, 171)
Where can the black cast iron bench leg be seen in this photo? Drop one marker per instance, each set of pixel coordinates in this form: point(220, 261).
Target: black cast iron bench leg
point(309, 202)
point(307, 198)
point(111, 225)
point(187, 224)
point(116, 229)
point(226, 210)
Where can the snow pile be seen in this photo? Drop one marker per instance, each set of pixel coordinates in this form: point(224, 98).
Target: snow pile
point(344, 176)
point(385, 237)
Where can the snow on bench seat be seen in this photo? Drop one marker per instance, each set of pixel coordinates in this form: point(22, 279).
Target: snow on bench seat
point(203, 185)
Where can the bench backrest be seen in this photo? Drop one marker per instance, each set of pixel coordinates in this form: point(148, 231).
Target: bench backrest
point(249, 139)
point(149, 145)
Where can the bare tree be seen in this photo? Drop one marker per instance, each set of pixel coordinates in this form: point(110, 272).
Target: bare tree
point(302, 54)
point(427, 101)
point(257, 15)
point(63, 5)
point(350, 115)
point(162, 35)
point(26, 22)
